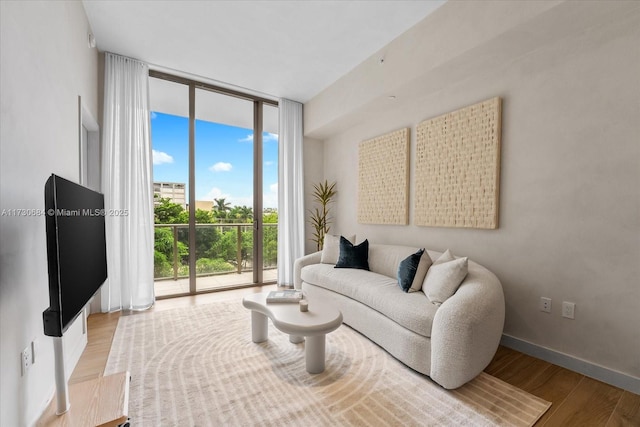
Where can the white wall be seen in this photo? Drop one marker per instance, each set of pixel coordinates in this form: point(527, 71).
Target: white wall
point(45, 64)
point(569, 76)
point(313, 174)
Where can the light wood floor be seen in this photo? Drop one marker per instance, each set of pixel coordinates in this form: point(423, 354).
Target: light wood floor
point(577, 400)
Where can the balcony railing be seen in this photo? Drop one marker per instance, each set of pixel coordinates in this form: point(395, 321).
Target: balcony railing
point(220, 249)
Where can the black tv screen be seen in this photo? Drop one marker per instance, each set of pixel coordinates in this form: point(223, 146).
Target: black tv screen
point(76, 250)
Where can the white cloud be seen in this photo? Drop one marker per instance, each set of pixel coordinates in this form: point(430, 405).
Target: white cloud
point(153, 115)
point(269, 163)
point(270, 137)
point(241, 201)
point(270, 199)
point(221, 167)
point(160, 157)
point(216, 193)
point(266, 137)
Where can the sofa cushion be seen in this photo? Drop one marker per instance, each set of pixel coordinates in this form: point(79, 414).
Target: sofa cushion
point(411, 310)
point(421, 272)
point(444, 277)
point(407, 270)
point(353, 256)
point(331, 248)
point(385, 259)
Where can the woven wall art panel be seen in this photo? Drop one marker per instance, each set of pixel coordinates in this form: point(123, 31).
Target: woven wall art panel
point(383, 179)
point(457, 168)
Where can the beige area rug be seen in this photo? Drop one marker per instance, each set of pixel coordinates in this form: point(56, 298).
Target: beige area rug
point(198, 367)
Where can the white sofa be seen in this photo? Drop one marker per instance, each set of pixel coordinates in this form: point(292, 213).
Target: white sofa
point(452, 343)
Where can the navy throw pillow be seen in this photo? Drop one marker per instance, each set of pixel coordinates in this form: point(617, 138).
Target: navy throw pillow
point(353, 256)
point(407, 270)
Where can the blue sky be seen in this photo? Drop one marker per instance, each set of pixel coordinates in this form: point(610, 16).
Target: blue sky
point(224, 159)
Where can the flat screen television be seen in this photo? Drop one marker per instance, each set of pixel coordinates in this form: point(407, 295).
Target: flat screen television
point(76, 250)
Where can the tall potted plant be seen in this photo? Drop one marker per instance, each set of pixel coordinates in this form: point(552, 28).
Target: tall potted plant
point(323, 193)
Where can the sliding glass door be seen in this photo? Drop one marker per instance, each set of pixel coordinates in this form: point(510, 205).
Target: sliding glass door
point(170, 145)
point(270, 193)
point(213, 239)
point(224, 173)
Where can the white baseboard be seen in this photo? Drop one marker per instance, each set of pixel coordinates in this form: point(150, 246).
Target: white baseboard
point(600, 373)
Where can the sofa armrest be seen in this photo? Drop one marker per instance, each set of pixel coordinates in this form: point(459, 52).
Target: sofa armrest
point(313, 258)
point(467, 329)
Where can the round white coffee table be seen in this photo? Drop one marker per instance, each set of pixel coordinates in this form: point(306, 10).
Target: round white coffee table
point(313, 325)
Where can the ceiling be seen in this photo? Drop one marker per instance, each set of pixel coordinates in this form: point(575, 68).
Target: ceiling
point(289, 49)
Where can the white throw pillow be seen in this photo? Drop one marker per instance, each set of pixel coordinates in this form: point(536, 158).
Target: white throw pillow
point(331, 248)
point(444, 277)
point(445, 257)
point(421, 272)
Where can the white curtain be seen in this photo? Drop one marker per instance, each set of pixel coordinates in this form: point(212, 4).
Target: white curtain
point(127, 184)
point(290, 189)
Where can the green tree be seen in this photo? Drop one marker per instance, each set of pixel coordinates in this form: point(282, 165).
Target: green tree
point(163, 242)
point(241, 214)
point(226, 246)
point(208, 265)
point(246, 251)
point(182, 218)
point(206, 239)
point(167, 212)
point(270, 246)
point(216, 247)
point(163, 252)
point(221, 208)
point(270, 238)
point(270, 217)
point(204, 217)
point(161, 266)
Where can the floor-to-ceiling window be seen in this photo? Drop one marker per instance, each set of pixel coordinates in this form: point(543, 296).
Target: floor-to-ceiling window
point(215, 179)
point(270, 191)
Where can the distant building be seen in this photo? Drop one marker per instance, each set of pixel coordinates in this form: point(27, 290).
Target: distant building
point(174, 191)
point(205, 205)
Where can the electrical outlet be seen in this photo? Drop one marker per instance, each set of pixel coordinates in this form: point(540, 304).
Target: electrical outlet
point(568, 310)
point(25, 357)
point(545, 304)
